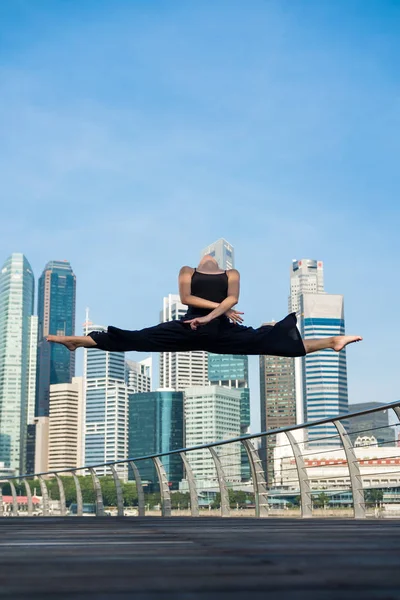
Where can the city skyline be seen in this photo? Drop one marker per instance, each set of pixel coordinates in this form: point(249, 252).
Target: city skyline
point(173, 299)
point(292, 135)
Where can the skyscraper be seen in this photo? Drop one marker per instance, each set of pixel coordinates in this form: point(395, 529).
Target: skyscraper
point(32, 368)
point(156, 425)
point(223, 253)
point(16, 326)
point(65, 425)
point(324, 372)
point(56, 313)
point(306, 276)
point(278, 403)
point(179, 370)
point(232, 371)
point(106, 399)
point(213, 413)
point(138, 375)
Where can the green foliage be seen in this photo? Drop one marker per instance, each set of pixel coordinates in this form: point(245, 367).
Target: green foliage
point(180, 500)
point(321, 500)
point(86, 484)
point(373, 497)
point(236, 498)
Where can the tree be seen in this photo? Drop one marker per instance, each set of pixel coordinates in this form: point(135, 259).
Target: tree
point(130, 494)
point(236, 498)
point(373, 497)
point(180, 500)
point(321, 500)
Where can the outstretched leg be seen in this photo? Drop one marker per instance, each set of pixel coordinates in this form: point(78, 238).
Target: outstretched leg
point(336, 343)
point(72, 342)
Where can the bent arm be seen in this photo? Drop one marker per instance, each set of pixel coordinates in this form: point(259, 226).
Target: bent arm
point(232, 297)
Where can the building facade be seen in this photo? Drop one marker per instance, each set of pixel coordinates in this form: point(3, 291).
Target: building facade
point(376, 424)
point(324, 373)
point(66, 425)
point(106, 401)
point(212, 413)
point(155, 426)
point(232, 371)
point(306, 277)
point(139, 375)
point(278, 403)
point(16, 326)
point(327, 467)
point(56, 314)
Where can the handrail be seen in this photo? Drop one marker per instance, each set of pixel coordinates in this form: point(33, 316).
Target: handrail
point(251, 436)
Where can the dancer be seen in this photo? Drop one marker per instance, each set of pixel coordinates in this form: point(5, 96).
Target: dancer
point(211, 323)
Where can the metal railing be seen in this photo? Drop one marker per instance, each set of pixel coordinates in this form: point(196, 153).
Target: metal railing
point(225, 478)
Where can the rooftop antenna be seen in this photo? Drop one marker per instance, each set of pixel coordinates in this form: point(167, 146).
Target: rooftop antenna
point(87, 321)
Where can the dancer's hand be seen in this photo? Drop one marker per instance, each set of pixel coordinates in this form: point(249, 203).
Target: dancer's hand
point(234, 315)
point(198, 321)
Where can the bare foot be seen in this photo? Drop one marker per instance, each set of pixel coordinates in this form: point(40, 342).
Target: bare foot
point(64, 340)
point(341, 341)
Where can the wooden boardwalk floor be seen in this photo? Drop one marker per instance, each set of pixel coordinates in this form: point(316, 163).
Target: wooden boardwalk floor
point(198, 559)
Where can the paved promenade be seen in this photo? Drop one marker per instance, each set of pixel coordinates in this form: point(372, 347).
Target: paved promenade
point(193, 559)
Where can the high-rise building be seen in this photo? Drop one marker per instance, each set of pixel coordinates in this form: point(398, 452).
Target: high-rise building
point(139, 374)
point(56, 313)
point(179, 370)
point(156, 425)
point(223, 253)
point(30, 448)
point(278, 403)
point(306, 276)
point(373, 424)
point(212, 413)
point(16, 310)
point(106, 400)
point(41, 458)
point(66, 425)
point(324, 372)
point(232, 371)
point(32, 368)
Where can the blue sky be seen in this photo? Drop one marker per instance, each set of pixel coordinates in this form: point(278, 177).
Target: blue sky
point(134, 133)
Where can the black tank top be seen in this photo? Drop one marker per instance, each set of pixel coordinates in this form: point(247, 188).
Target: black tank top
point(210, 287)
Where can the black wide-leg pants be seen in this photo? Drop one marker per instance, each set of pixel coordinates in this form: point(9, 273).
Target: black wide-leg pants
point(219, 336)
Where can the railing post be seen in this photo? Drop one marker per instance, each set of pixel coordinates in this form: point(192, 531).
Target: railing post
point(45, 496)
point(63, 508)
point(139, 489)
point(1, 503)
point(29, 497)
point(223, 488)
point(354, 472)
point(164, 488)
point(304, 482)
point(194, 500)
point(258, 477)
point(396, 410)
point(118, 489)
point(14, 500)
point(79, 501)
point(98, 493)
